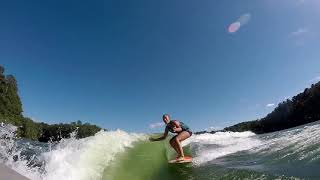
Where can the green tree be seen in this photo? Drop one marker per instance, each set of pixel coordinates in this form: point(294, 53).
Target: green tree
point(301, 109)
point(11, 112)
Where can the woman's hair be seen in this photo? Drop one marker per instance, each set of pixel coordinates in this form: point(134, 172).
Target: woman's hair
point(166, 115)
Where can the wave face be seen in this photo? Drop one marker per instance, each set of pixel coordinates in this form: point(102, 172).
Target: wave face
point(117, 155)
point(70, 159)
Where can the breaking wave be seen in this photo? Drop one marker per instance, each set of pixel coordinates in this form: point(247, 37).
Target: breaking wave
point(288, 154)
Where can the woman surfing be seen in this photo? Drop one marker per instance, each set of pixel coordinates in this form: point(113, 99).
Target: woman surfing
point(182, 130)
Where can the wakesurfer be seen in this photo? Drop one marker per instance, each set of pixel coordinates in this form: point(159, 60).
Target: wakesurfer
point(181, 129)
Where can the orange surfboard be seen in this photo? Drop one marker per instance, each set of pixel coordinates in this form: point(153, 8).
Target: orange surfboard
point(187, 159)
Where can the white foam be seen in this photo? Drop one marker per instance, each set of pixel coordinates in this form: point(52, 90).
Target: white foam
point(78, 159)
point(9, 152)
point(294, 142)
point(208, 147)
point(86, 158)
point(300, 143)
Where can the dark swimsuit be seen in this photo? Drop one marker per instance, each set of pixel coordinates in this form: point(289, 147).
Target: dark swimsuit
point(183, 126)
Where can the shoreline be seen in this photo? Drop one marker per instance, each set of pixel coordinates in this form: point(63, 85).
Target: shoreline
point(8, 173)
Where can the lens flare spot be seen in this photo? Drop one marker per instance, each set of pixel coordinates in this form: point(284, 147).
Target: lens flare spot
point(244, 19)
point(234, 27)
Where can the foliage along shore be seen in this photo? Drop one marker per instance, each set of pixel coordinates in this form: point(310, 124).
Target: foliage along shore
point(11, 113)
point(301, 109)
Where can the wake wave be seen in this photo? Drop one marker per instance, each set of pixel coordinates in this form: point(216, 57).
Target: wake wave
point(78, 159)
point(292, 152)
point(298, 144)
point(92, 158)
point(86, 158)
point(207, 147)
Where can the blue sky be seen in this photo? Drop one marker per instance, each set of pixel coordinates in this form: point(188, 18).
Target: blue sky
point(122, 64)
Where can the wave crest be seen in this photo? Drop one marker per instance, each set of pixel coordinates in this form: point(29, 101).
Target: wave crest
point(208, 147)
point(78, 159)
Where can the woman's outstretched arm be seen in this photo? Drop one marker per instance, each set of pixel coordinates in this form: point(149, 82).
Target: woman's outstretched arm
point(165, 134)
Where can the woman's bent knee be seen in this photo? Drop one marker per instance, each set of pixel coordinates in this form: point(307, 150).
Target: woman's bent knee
point(177, 140)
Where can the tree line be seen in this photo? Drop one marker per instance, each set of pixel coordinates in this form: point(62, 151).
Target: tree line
point(301, 109)
point(11, 113)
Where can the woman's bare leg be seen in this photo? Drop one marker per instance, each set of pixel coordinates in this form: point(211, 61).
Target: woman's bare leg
point(182, 136)
point(173, 145)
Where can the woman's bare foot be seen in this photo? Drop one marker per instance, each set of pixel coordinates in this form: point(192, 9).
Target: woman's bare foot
point(180, 158)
